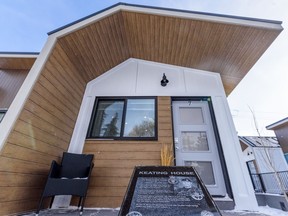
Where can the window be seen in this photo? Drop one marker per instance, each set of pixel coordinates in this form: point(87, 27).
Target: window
point(2, 113)
point(123, 118)
point(252, 167)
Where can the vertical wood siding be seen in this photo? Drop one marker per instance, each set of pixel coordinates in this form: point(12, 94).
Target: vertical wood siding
point(41, 133)
point(10, 82)
point(98, 47)
point(115, 160)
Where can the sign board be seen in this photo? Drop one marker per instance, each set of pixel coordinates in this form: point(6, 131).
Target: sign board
point(169, 191)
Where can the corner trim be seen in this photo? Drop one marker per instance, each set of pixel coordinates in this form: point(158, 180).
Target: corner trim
point(18, 103)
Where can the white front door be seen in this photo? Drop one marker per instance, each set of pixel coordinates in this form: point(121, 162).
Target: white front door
point(195, 143)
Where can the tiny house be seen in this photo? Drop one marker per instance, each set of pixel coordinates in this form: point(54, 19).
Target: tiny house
point(268, 169)
point(119, 84)
point(280, 129)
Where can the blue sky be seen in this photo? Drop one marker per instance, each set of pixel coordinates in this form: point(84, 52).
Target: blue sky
point(24, 26)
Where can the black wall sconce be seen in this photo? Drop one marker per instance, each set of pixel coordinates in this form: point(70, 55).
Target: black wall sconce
point(164, 80)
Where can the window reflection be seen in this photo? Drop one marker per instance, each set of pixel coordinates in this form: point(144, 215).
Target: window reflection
point(194, 141)
point(140, 118)
point(123, 118)
point(204, 169)
point(108, 119)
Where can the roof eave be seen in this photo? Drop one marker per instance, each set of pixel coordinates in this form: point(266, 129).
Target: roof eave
point(277, 124)
point(19, 54)
point(236, 20)
point(11, 60)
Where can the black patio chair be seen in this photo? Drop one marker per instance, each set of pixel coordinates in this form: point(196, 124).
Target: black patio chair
point(69, 178)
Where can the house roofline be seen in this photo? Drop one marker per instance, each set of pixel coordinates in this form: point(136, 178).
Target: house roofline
point(84, 18)
point(19, 54)
point(246, 141)
point(277, 124)
point(128, 7)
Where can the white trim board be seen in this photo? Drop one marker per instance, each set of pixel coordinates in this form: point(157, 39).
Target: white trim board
point(16, 106)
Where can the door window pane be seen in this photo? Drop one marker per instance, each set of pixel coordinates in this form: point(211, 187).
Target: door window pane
point(108, 119)
point(191, 115)
point(194, 141)
point(140, 118)
point(204, 169)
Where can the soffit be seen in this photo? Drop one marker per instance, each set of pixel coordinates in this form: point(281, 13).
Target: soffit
point(17, 61)
point(225, 48)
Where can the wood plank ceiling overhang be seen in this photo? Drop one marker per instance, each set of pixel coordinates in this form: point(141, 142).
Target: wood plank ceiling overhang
point(226, 45)
point(17, 61)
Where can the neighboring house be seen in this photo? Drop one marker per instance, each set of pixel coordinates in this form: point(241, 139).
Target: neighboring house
point(14, 68)
point(96, 88)
point(264, 158)
point(280, 129)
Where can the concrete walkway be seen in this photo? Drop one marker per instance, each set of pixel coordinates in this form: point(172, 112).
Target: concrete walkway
point(114, 212)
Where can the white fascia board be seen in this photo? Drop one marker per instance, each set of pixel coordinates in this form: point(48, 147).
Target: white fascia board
point(169, 13)
point(15, 108)
point(204, 16)
point(277, 124)
point(86, 22)
point(18, 55)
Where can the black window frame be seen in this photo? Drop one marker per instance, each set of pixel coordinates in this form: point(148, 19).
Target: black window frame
point(122, 137)
point(2, 111)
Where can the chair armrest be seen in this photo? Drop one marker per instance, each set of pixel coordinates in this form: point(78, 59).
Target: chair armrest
point(55, 170)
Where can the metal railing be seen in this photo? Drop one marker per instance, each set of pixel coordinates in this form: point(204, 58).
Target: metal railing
point(267, 182)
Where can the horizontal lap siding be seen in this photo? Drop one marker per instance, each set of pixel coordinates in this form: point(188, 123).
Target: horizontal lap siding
point(115, 160)
point(41, 133)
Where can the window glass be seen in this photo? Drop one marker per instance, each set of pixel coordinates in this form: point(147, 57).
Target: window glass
point(108, 119)
point(140, 118)
point(2, 113)
point(194, 141)
point(252, 167)
point(204, 169)
point(191, 115)
point(126, 118)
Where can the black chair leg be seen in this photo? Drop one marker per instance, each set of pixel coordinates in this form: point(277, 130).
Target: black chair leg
point(82, 204)
point(51, 203)
point(80, 201)
point(39, 206)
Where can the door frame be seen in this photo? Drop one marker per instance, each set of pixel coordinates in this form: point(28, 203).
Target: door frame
point(216, 133)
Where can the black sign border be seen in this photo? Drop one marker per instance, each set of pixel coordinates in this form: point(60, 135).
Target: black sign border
point(124, 210)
